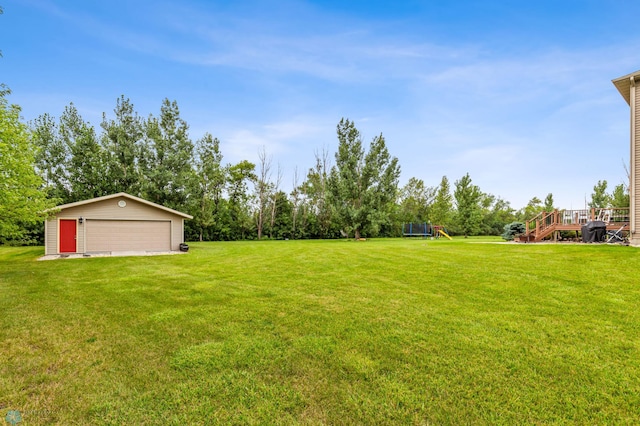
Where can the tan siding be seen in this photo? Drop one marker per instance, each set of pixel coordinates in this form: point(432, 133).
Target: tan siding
point(51, 236)
point(177, 234)
point(636, 166)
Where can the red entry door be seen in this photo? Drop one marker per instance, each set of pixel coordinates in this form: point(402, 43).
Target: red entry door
point(67, 236)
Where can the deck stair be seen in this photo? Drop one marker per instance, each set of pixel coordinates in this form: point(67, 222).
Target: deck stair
point(545, 224)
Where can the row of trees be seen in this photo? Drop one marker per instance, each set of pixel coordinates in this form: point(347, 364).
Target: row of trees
point(154, 158)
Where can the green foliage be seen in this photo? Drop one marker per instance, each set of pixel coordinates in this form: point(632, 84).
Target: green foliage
point(533, 207)
point(496, 212)
point(122, 139)
point(619, 197)
point(548, 203)
point(362, 185)
point(415, 201)
point(240, 175)
point(206, 187)
point(599, 197)
point(513, 229)
point(468, 211)
point(87, 158)
point(52, 157)
point(442, 207)
point(316, 212)
point(22, 203)
point(154, 158)
point(166, 159)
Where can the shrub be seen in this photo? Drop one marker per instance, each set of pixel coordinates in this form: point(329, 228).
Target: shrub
point(512, 229)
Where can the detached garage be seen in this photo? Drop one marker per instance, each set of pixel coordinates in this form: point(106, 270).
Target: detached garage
point(114, 223)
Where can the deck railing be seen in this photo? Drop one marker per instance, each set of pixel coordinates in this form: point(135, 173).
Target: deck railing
point(545, 222)
point(582, 216)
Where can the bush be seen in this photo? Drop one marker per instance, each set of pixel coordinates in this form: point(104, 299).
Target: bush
point(513, 229)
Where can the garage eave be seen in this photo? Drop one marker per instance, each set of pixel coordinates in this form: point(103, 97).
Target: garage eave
point(124, 195)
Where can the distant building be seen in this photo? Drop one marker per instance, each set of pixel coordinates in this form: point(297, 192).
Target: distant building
point(627, 86)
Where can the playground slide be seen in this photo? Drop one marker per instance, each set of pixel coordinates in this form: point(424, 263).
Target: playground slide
point(445, 234)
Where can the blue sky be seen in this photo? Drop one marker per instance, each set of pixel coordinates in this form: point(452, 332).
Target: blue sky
point(517, 94)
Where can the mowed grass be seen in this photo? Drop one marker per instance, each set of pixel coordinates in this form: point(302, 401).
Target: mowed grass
point(324, 332)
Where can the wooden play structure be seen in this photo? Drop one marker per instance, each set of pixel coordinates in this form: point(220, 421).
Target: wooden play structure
point(547, 225)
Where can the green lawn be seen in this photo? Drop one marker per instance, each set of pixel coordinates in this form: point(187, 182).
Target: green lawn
point(324, 332)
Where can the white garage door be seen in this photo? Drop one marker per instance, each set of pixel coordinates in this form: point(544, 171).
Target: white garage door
point(128, 235)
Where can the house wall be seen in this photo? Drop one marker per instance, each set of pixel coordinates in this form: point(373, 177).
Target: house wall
point(635, 163)
point(109, 209)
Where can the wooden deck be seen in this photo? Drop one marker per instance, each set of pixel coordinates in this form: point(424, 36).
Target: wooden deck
point(547, 225)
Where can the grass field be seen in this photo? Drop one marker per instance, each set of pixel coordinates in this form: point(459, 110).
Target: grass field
point(324, 332)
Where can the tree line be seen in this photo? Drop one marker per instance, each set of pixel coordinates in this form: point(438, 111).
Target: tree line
point(355, 192)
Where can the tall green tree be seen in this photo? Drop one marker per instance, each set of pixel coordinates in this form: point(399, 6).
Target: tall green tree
point(619, 197)
point(87, 162)
point(415, 201)
point(317, 209)
point(206, 201)
point(280, 226)
point(166, 158)
point(599, 196)
point(122, 138)
point(468, 211)
point(548, 203)
point(240, 175)
point(52, 157)
point(496, 213)
point(531, 210)
point(442, 207)
point(22, 202)
point(363, 185)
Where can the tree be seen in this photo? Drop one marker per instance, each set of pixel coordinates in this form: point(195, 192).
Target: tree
point(599, 197)
point(363, 186)
point(280, 223)
point(275, 202)
point(87, 160)
point(206, 190)
point(166, 157)
point(531, 210)
point(52, 157)
point(239, 176)
point(619, 197)
point(548, 203)
point(121, 139)
point(442, 206)
point(468, 215)
point(22, 202)
point(296, 201)
point(496, 213)
point(316, 190)
point(262, 188)
point(415, 201)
